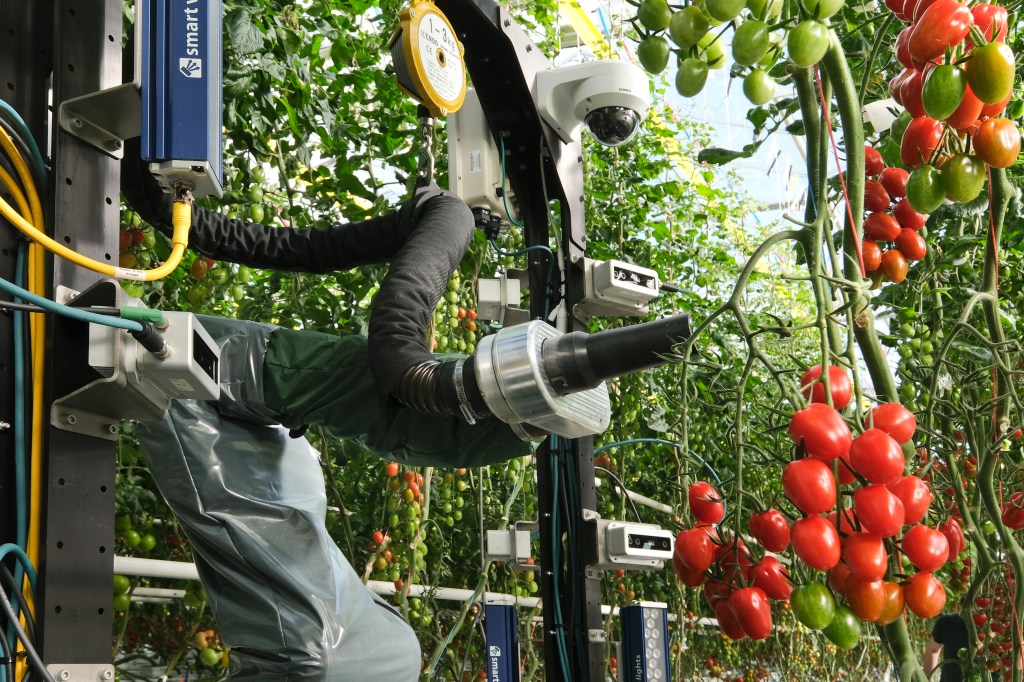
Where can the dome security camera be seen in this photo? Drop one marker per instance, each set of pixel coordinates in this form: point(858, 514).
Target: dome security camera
point(610, 96)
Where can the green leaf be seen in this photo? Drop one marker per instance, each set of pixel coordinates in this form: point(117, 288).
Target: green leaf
point(243, 33)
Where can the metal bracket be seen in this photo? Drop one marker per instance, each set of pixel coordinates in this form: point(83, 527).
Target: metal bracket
point(81, 672)
point(596, 636)
point(107, 118)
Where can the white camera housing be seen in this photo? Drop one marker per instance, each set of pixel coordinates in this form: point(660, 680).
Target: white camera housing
point(632, 546)
point(610, 96)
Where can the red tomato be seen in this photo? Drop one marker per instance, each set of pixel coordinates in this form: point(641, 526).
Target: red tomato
point(878, 510)
point(894, 180)
point(866, 597)
point(816, 542)
point(705, 504)
point(846, 470)
point(865, 554)
point(906, 216)
point(839, 385)
point(730, 555)
point(926, 548)
point(809, 484)
point(822, 431)
point(994, 110)
point(872, 254)
point(915, 12)
point(771, 529)
point(1013, 512)
point(967, 113)
point(875, 196)
point(920, 139)
point(838, 576)
point(997, 142)
point(685, 575)
point(728, 621)
point(896, 83)
point(988, 17)
point(694, 549)
point(942, 25)
point(392, 469)
point(893, 608)
point(877, 457)
point(873, 163)
point(915, 496)
point(752, 610)
point(911, 244)
point(955, 536)
point(894, 265)
point(846, 524)
point(896, 420)
point(910, 93)
point(881, 227)
point(772, 577)
point(903, 48)
point(378, 537)
point(924, 594)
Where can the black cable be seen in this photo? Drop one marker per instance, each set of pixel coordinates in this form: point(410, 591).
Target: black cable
point(33, 655)
point(624, 489)
point(26, 153)
point(8, 659)
point(29, 308)
point(8, 582)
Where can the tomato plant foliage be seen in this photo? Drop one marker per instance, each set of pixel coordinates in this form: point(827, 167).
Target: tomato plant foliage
point(921, 409)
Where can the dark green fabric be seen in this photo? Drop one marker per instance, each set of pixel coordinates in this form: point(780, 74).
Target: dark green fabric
point(316, 378)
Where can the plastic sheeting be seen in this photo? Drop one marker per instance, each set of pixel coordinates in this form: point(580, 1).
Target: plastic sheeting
point(252, 502)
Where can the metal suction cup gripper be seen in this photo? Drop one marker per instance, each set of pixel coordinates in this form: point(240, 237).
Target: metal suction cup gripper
point(579, 361)
point(533, 374)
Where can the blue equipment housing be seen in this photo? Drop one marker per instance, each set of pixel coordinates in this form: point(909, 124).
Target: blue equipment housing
point(182, 99)
point(501, 623)
point(644, 643)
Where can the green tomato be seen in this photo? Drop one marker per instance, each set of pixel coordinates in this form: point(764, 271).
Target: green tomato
point(691, 76)
point(688, 26)
point(653, 53)
point(147, 542)
point(712, 50)
point(758, 87)
point(132, 538)
point(943, 91)
point(122, 602)
point(750, 43)
point(256, 213)
point(844, 630)
point(209, 656)
point(123, 522)
point(765, 9)
point(244, 275)
point(148, 239)
point(813, 605)
point(899, 126)
point(808, 43)
point(963, 177)
point(822, 9)
point(925, 192)
point(122, 584)
point(725, 10)
point(256, 194)
point(990, 72)
point(655, 15)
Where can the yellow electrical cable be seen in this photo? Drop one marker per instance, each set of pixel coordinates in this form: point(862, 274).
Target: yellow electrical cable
point(179, 238)
point(11, 185)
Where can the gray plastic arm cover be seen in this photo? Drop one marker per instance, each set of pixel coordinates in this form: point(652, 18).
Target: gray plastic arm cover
point(252, 502)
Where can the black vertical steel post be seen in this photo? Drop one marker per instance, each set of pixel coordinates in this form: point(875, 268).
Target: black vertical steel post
point(503, 63)
point(75, 612)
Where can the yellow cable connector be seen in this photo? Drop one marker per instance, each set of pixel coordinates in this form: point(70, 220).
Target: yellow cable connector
point(182, 223)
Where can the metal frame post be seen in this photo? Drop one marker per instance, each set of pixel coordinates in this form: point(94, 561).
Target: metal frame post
point(503, 63)
point(73, 47)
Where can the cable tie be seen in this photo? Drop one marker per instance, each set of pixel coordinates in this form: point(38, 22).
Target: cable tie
point(460, 393)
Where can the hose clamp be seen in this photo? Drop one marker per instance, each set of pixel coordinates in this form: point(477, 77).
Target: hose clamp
point(460, 393)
